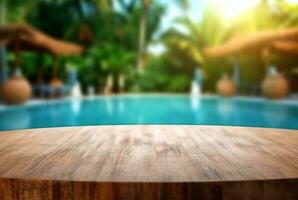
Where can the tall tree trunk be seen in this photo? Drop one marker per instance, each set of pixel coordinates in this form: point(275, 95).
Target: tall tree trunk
point(3, 65)
point(142, 35)
point(3, 57)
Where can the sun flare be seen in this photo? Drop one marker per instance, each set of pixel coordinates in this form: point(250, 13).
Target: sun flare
point(230, 9)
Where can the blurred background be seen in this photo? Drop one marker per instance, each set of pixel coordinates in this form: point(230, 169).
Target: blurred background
point(56, 48)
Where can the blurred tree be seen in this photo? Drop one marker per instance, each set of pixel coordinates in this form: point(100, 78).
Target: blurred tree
point(267, 15)
point(11, 12)
point(210, 31)
point(14, 11)
point(145, 6)
point(142, 34)
point(117, 33)
point(55, 17)
point(121, 27)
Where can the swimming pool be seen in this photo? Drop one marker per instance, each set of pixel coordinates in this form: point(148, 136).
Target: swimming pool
point(151, 109)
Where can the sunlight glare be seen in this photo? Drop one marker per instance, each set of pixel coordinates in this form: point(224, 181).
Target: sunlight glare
point(292, 1)
point(230, 9)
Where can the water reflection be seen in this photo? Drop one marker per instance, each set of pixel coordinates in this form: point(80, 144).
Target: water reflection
point(195, 103)
point(109, 106)
point(76, 106)
point(275, 115)
point(152, 110)
point(226, 109)
point(20, 119)
point(121, 106)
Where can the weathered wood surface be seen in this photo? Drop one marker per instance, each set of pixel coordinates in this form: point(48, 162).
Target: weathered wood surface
point(149, 162)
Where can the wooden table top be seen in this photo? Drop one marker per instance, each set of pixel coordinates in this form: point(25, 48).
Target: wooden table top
point(149, 154)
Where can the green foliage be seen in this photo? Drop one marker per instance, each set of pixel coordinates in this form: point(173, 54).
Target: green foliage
point(116, 59)
point(12, 11)
point(54, 17)
point(212, 30)
point(114, 45)
point(160, 76)
point(115, 36)
point(186, 49)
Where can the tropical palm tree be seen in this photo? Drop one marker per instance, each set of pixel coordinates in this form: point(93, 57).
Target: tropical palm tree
point(142, 34)
point(212, 31)
point(209, 31)
point(145, 5)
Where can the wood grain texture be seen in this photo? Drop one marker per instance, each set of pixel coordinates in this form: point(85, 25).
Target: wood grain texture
point(149, 162)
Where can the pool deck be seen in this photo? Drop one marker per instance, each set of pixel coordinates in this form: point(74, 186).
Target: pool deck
point(149, 162)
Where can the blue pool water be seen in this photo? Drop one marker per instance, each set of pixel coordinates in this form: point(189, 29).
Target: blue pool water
point(162, 109)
